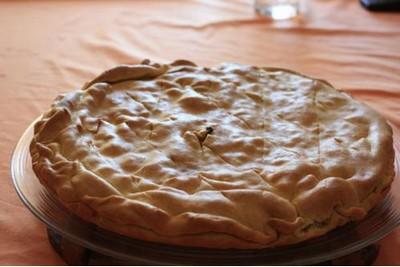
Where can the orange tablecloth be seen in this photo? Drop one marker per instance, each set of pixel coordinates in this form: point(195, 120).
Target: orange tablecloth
point(48, 47)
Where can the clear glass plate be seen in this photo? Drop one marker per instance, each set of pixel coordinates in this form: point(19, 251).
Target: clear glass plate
point(342, 241)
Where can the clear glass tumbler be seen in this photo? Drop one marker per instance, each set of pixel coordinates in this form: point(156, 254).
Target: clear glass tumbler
point(278, 9)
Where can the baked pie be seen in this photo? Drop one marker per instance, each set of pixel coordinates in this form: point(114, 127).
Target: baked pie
point(232, 156)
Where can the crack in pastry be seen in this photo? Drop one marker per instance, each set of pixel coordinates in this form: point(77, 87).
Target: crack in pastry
point(231, 156)
point(202, 134)
point(219, 155)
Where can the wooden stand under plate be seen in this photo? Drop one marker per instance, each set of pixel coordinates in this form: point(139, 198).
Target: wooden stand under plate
point(74, 254)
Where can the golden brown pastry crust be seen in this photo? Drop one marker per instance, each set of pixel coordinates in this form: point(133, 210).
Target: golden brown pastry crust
point(227, 157)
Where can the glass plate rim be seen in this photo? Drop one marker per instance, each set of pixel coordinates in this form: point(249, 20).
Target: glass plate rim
point(378, 235)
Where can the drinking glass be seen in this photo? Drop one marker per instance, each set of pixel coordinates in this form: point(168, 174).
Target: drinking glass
point(278, 9)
